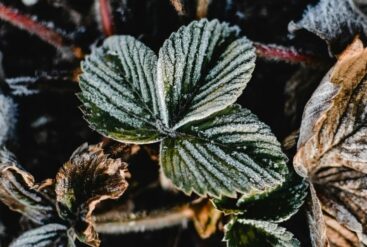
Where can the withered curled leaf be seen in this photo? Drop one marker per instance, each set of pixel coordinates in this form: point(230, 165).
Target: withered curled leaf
point(20, 193)
point(332, 150)
point(336, 22)
point(84, 181)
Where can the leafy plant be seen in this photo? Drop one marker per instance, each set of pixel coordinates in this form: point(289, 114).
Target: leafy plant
point(228, 163)
point(183, 99)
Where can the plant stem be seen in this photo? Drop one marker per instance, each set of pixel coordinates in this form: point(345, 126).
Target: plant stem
point(39, 29)
point(280, 53)
point(115, 222)
point(106, 17)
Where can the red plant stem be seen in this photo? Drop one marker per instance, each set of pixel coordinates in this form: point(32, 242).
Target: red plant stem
point(280, 53)
point(106, 17)
point(27, 23)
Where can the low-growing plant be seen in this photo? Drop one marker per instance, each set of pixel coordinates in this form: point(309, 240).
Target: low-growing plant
point(184, 99)
point(176, 114)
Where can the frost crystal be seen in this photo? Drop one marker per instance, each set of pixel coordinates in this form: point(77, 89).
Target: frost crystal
point(335, 21)
point(7, 118)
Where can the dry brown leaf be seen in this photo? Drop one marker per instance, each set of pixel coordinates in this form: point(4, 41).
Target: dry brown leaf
point(325, 229)
point(205, 217)
point(20, 193)
point(332, 150)
point(102, 178)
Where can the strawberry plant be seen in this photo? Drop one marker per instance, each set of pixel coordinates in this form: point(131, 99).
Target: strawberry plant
point(186, 101)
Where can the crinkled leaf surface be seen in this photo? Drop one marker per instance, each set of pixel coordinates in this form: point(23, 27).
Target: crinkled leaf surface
point(344, 191)
point(336, 22)
point(203, 68)
point(229, 152)
point(20, 193)
point(52, 235)
point(88, 178)
point(252, 233)
point(333, 129)
point(284, 202)
point(325, 230)
point(119, 91)
point(332, 146)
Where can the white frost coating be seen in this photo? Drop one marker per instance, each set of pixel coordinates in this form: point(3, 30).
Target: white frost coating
point(180, 70)
point(201, 69)
point(7, 118)
point(29, 2)
point(224, 157)
point(19, 85)
point(333, 20)
point(40, 237)
point(119, 79)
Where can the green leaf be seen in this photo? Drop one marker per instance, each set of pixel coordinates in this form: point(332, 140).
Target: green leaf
point(229, 152)
point(203, 68)
point(284, 202)
point(253, 233)
point(47, 235)
point(119, 91)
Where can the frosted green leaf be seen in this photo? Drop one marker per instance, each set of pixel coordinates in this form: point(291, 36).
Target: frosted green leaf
point(284, 202)
point(203, 68)
point(253, 233)
point(229, 152)
point(47, 235)
point(119, 92)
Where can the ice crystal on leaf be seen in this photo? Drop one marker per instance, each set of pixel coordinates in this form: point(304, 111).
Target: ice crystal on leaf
point(184, 98)
point(335, 21)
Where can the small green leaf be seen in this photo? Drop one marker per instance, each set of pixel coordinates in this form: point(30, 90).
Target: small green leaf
point(284, 202)
point(203, 68)
point(119, 91)
point(47, 235)
point(229, 152)
point(253, 233)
